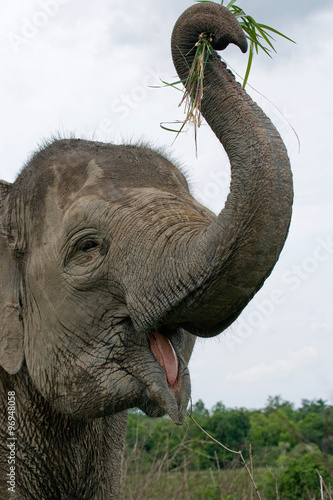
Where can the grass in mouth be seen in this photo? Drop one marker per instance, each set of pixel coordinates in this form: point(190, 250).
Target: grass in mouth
point(259, 37)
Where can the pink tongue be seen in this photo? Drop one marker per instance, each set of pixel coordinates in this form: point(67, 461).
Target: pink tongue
point(165, 354)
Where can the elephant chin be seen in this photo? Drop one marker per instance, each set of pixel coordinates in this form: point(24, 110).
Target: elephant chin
point(152, 410)
point(158, 403)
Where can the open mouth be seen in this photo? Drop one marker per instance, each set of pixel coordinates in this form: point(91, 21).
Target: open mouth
point(168, 390)
point(165, 354)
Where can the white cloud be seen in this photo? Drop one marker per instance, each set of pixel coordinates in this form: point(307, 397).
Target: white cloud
point(279, 369)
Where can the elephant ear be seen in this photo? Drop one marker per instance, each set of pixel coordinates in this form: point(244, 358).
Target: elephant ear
point(11, 325)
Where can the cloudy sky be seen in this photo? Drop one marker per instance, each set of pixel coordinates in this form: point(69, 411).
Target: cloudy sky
point(87, 68)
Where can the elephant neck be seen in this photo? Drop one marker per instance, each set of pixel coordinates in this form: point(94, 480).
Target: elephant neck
point(57, 456)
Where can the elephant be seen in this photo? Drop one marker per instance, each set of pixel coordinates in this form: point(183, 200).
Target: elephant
point(110, 270)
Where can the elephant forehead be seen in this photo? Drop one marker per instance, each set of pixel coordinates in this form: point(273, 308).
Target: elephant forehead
point(86, 179)
point(108, 178)
point(67, 170)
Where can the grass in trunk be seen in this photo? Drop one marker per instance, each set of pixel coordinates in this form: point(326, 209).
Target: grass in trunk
point(259, 37)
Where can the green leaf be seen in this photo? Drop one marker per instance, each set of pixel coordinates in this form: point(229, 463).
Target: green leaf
point(230, 4)
point(277, 32)
point(266, 37)
point(249, 64)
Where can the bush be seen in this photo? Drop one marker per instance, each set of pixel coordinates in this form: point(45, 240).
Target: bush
point(297, 475)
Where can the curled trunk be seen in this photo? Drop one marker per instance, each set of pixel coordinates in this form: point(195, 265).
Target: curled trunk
point(235, 254)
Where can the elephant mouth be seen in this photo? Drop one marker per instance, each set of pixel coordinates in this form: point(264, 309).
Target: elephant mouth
point(165, 354)
point(168, 391)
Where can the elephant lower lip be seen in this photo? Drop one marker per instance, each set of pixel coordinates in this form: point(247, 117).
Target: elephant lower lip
point(163, 398)
point(164, 353)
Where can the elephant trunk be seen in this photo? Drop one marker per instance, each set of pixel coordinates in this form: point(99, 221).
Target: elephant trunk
point(239, 249)
point(212, 266)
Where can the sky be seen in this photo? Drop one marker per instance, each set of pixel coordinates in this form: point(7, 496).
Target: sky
point(90, 68)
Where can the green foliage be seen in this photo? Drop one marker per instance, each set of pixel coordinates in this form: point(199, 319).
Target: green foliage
point(268, 430)
point(259, 37)
point(209, 492)
point(316, 423)
point(199, 411)
point(257, 34)
point(297, 474)
point(231, 427)
point(155, 438)
point(277, 403)
point(293, 443)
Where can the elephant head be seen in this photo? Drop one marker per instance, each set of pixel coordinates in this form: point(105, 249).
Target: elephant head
point(110, 268)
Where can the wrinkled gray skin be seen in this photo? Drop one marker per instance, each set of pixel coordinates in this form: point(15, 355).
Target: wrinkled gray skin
point(102, 245)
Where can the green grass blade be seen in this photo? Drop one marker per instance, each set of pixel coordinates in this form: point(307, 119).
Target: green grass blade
point(266, 37)
point(230, 4)
point(167, 84)
point(172, 129)
point(249, 64)
point(265, 27)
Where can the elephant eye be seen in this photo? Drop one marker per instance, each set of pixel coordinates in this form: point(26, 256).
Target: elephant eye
point(88, 245)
